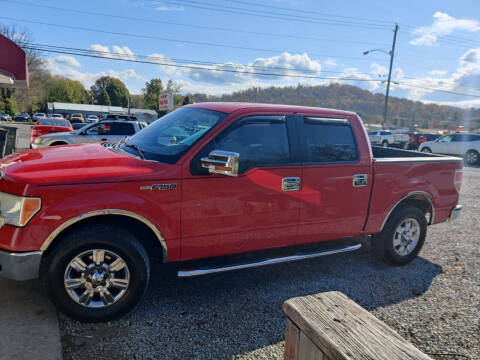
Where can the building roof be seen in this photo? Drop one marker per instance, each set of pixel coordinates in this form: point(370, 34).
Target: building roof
point(58, 106)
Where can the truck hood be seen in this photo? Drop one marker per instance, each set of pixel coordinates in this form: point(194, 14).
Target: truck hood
point(84, 163)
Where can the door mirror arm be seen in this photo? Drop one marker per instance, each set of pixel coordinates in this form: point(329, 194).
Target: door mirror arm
point(221, 162)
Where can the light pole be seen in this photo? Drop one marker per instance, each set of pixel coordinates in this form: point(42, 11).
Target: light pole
point(392, 54)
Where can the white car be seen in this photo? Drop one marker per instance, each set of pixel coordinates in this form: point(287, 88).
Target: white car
point(466, 145)
point(92, 118)
point(56, 116)
point(383, 138)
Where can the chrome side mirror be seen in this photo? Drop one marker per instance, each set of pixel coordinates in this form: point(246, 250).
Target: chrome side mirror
point(221, 162)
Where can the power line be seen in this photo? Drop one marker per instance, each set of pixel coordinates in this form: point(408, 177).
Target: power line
point(278, 35)
point(192, 42)
point(120, 57)
point(269, 14)
point(308, 11)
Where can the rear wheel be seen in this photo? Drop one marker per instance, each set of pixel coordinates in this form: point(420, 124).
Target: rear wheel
point(385, 143)
point(426, 150)
point(472, 157)
point(402, 237)
point(97, 273)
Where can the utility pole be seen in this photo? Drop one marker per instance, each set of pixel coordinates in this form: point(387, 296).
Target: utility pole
point(392, 53)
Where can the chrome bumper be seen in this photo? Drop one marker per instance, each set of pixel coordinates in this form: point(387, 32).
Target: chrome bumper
point(20, 266)
point(455, 212)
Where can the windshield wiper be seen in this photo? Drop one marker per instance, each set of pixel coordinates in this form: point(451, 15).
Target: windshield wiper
point(137, 149)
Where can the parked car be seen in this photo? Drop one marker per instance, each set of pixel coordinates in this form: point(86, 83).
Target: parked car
point(383, 138)
point(5, 117)
point(248, 178)
point(49, 126)
point(466, 145)
point(56, 116)
point(120, 117)
point(38, 116)
point(77, 126)
point(418, 138)
point(92, 118)
point(22, 117)
point(75, 118)
point(110, 130)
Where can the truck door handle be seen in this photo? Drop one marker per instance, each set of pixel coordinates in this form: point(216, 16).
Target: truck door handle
point(291, 184)
point(360, 180)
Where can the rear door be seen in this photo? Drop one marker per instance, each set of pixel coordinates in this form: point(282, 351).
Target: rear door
point(256, 210)
point(336, 182)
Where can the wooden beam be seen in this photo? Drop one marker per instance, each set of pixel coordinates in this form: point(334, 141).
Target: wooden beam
point(343, 330)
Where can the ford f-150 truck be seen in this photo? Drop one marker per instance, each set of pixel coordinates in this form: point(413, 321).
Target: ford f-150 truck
point(213, 187)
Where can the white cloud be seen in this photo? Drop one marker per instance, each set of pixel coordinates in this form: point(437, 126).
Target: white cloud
point(232, 73)
point(443, 24)
point(378, 70)
point(164, 63)
point(67, 61)
point(166, 7)
point(125, 74)
point(330, 63)
point(117, 52)
point(438, 72)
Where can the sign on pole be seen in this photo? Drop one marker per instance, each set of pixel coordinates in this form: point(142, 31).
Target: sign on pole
point(165, 101)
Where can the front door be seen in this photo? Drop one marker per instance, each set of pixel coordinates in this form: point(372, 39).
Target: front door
point(226, 215)
point(336, 181)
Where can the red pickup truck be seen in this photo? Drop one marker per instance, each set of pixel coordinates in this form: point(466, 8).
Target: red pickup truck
point(214, 187)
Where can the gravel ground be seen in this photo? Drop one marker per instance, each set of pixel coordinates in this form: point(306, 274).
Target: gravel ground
point(432, 302)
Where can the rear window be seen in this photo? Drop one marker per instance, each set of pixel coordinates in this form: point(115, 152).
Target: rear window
point(119, 128)
point(329, 140)
point(53, 122)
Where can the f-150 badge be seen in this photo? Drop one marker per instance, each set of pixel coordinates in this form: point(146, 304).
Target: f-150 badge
point(159, 187)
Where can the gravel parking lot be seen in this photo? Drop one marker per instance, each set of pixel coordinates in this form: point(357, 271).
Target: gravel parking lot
point(433, 302)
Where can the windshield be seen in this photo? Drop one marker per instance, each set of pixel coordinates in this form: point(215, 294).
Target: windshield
point(169, 137)
point(54, 122)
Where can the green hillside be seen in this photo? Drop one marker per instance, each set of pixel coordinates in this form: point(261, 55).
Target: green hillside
point(369, 106)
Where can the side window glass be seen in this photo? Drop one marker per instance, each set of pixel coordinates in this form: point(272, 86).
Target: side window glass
point(122, 128)
point(329, 140)
point(446, 138)
point(259, 140)
point(94, 130)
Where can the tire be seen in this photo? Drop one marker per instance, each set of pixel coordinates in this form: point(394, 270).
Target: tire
point(427, 150)
point(385, 143)
point(472, 157)
point(115, 291)
point(386, 244)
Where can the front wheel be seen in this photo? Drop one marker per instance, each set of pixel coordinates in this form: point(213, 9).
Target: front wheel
point(426, 150)
point(97, 273)
point(385, 143)
point(402, 237)
point(472, 157)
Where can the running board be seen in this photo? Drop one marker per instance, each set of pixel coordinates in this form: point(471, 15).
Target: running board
point(212, 270)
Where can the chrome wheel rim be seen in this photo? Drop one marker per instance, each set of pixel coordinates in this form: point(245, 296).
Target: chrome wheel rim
point(426, 150)
point(472, 157)
point(406, 236)
point(97, 278)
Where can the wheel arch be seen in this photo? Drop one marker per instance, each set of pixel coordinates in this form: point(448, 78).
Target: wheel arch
point(419, 199)
point(58, 143)
point(150, 236)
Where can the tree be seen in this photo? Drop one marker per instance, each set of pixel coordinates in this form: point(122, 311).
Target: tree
point(154, 88)
point(110, 91)
point(66, 90)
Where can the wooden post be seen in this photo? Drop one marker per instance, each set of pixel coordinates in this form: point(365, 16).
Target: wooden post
point(330, 326)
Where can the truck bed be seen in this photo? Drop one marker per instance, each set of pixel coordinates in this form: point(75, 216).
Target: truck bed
point(382, 154)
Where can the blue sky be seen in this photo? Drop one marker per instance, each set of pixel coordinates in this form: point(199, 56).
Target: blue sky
point(438, 45)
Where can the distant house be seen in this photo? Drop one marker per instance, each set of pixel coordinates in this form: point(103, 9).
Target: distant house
point(146, 115)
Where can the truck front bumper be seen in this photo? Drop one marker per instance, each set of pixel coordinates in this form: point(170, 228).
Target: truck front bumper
point(21, 265)
point(455, 213)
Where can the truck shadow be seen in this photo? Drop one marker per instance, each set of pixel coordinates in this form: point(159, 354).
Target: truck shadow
point(224, 315)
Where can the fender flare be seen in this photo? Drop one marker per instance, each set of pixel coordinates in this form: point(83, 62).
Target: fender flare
point(102, 212)
point(423, 194)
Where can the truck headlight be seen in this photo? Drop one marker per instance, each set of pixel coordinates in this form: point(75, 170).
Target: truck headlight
point(18, 210)
point(38, 140)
